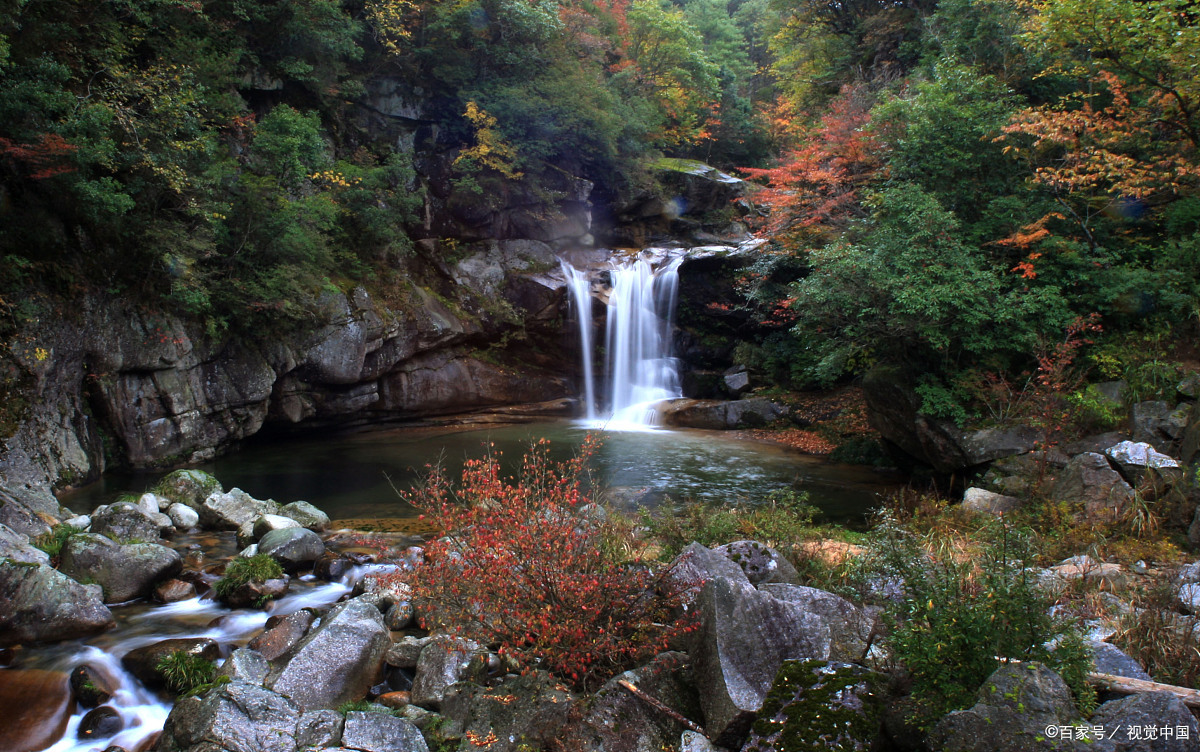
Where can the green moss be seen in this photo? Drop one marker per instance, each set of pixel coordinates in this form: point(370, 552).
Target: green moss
point(52, 542)
point(244, 570)
point(813, 705)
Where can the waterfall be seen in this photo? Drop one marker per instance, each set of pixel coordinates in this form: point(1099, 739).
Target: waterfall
point(581, 297)
point(640, 369)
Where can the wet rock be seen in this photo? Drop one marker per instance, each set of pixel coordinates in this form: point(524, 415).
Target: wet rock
point(43, 604)
point(228, 511)
point(91, 686)
point(721, 415)
point(337, 662)
point(1015, 705)
point(245, 665)
point(399, 616)
point(100, 723)
point(381, 732)
point(37, 705)
point(125, 571)
point(849, 627)
point(743, 639)
point(126, 522)
point(143, 662)
point(188, 487)
point(822, 706)
point(443, 662)
point(306, 515)
point(235, 717)
point(292, 547)
point(257, 594)
point(986, 502)
point(319, 728)
point(173, 591)
point(269, 522)
point(616, 721)
point(1089, 479)
point(16, 548)
point(284, 635)
point(1129, 717)
point(759, 562)
point(183, 516)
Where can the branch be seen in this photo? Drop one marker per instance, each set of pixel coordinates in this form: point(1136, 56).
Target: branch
point(658, 705)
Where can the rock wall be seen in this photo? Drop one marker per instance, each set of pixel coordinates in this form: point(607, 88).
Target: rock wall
point(119, 383)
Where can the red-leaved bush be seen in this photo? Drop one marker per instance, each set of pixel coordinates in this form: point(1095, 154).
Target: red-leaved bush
point(518, 568)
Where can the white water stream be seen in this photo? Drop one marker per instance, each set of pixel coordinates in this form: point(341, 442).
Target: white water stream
point(639, 367)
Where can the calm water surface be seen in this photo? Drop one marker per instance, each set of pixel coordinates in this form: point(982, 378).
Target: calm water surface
point(351, 475)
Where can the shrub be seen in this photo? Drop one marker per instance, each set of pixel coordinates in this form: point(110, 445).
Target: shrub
point(963, 609)
point(1156, 636)
point(244, 570)
point(518, 569)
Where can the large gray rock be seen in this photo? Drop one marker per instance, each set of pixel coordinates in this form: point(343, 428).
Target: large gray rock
point(1089, 479)
point(126, 522)
point(229, 511)
point(697, 564)
point(743, 638)
point(44, 605)
point(292, 547)
point(824, 706)
point(125, 571)
point(319, 728)
point(16, 548)
point(28, 508)
point(1131, 716)
point(381, 732)
point(616, 721)
point(245, 665)
point(1015, 706)
point(760, 562)
point(443, 662)
point(235, 717)
point(1109, 659)
point(306, 515)
point(183, 516)
point(1139, 462)
point(1158, 424)
point(721, 415)
point(337, 662)
point(284, 635)
point(188, 487)
point(849, 627)
point(985, 502)
point(405, 652)
point(270, 522)
point(522, 712)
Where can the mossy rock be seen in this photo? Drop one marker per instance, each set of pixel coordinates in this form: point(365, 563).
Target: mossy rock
point(188, 487)
point(818, 705)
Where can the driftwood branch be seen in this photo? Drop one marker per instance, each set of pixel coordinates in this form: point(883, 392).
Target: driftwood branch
point(1122, 685)
point(660, 706)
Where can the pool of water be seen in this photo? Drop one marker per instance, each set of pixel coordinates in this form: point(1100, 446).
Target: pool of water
point(351, 476)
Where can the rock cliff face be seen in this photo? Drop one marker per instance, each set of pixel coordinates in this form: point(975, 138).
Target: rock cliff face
point(121, 383)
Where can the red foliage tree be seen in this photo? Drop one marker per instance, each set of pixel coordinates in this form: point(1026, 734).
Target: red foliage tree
point(518, 568)
point(46, 158)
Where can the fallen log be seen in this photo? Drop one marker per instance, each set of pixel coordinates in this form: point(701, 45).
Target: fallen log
point(1125, 686)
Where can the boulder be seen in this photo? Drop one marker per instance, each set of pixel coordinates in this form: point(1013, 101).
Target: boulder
point(337, 662)
point(443, 662)
point(228, 511)
point(319, 728)
point(1109, 659)
point(292, 547)
point(1140, 462)
point(42, 604)
point(29, 509)
point(188, 487)
point(1158, 424)
point(849, 627)
point(381, 732)
point(91, 686)
point(986, 502)
point(245, 665)
point(126, 522)
point(234, 717)
point(306, 515)
point(1132, 718)
point(100, 723)
point(143, 662)
point(405, 652)
point(721, 415)
point(37, 705)
point(737, 380)
point(615, 721)
point(183, 516)
point(269, 522)
point(698, 564)
point(760, 562)
point(521, 712)
point(822, 706)
point(124, 571)
point(173, 591)
point(743, 638)
point(1015, 706)
point(16, 548)
point(399, 615)
point(285, 634)
point(1088, 479)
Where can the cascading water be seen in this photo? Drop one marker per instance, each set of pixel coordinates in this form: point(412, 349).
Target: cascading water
point(641, 372)
point(581, 297)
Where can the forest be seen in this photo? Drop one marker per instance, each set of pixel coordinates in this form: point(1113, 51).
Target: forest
point(951, 187)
